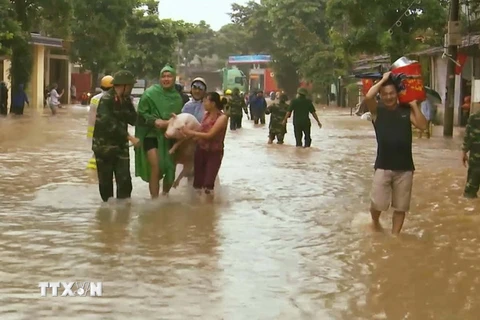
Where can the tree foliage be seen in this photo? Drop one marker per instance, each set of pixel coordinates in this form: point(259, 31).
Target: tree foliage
point(312, 40)
point(151, 42)
point(378, 27)
point(254, 19)
point(302, 33)
point(30, 17)
point(98, 33)
point(316, 40)
point(199, 43)
point(230, 40)
point(9, 27)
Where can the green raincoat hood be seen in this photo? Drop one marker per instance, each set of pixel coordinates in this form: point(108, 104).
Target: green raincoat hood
point(172, 70)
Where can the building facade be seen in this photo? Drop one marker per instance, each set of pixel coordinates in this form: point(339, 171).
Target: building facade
point(50, 65)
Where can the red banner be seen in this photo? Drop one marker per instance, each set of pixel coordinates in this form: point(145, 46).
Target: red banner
point(461, 59)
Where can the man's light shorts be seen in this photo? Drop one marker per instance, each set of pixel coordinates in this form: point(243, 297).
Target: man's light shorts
point(392, 188)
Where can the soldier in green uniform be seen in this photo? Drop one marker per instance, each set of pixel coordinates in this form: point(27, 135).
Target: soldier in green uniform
point(277, 111)
point(471, 155)
point(235, 106)
point(301, 108)
point(110, 137)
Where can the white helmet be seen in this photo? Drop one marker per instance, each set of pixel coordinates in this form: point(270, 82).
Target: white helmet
point(199, 79)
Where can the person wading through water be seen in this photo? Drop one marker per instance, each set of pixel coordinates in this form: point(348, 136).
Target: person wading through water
point(393, 177)
point(301, 108)
point(278, 111)
point(153, 162)
point(110, 137)
point(18, 100)
point(105, 84)
point(235, 106)
point(471, 155)
point(209, 152)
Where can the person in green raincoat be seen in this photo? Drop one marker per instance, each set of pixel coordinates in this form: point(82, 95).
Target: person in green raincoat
point(152, 159)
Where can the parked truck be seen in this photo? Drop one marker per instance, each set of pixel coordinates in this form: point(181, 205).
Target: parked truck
point(234, 78)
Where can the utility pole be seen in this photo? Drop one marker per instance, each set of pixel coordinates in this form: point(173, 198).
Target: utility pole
point(454, 39)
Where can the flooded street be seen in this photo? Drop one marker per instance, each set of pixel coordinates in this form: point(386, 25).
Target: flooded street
point(286, 238)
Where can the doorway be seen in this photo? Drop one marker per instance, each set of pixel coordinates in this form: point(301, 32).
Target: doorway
point(59, 75)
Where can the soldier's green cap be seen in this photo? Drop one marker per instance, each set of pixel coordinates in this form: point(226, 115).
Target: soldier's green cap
point(302, 91)
point(123, 77)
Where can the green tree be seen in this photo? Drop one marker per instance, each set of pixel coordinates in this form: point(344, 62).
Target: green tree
point(200, 43)
point(9, 27)
point(302, 33)
point(230, 40)
point(151, 42)
point(254, 20)
point(98, 33)
point(29, 16)
point(378, 27)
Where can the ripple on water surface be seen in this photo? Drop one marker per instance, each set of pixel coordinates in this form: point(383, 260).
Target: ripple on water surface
point(286, 237)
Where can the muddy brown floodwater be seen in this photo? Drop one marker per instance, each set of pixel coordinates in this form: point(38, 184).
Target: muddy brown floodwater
point(286, 237)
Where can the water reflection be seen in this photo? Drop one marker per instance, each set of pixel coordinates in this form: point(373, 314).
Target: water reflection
point(416, 277)
point(287, 236)
point(112, 227)
point(176, 230)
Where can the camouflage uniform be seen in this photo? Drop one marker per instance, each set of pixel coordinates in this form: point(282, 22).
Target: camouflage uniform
point(110, 140)
point(471, 144)
point(276, 127)
point(235, 107)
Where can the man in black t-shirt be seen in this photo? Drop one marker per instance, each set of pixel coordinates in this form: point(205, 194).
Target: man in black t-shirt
point(393, 178)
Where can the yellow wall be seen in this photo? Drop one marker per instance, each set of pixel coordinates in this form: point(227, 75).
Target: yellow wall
point(6, 79)
point(39, 77)
point(37, 82)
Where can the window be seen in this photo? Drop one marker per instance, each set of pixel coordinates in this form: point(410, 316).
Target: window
point(240, 80)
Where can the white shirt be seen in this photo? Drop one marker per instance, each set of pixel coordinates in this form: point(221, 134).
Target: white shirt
point(54, 97)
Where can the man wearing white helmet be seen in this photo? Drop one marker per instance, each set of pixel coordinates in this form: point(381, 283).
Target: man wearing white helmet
point(195, 106)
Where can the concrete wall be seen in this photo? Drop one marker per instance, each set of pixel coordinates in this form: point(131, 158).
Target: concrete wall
point(439, 77)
